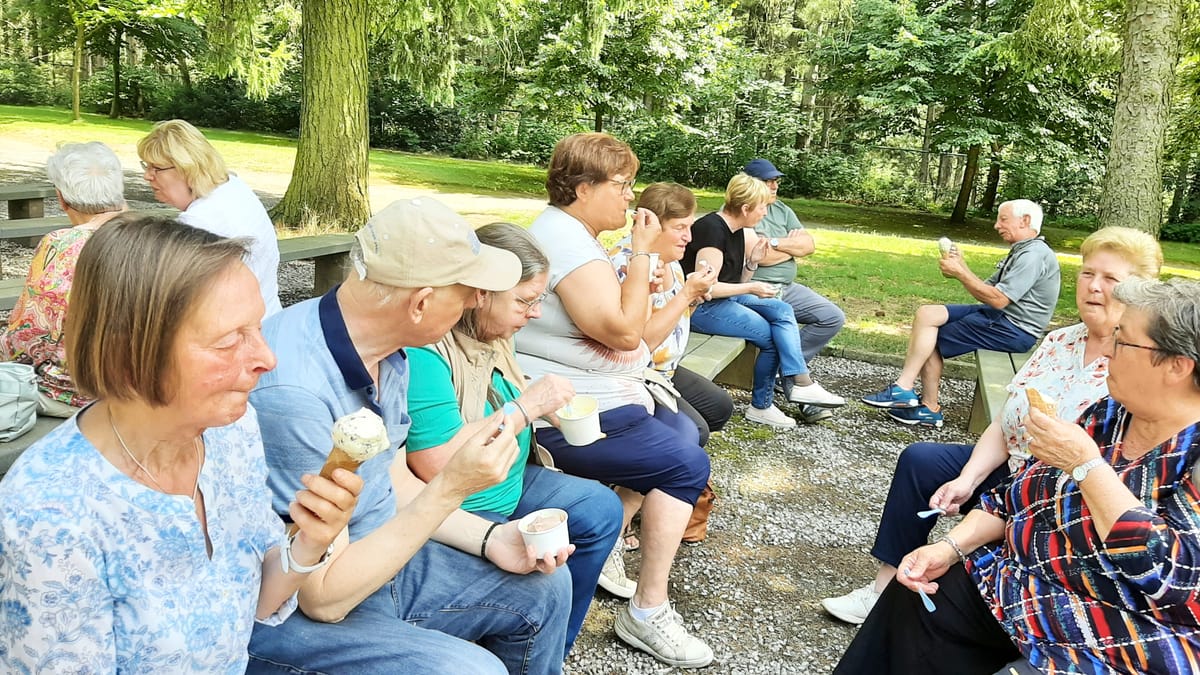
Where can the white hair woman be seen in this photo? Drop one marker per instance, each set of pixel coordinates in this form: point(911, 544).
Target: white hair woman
point(91, 190)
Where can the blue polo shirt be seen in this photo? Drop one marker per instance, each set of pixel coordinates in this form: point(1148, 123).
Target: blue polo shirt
point(319, 378)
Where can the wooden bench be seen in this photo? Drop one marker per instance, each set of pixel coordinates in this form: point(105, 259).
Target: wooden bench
point(994, 370)
point(36, 228)
point(26, 200)
point(722, 359)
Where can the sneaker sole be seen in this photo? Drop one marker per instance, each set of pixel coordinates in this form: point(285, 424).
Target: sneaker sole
point(902, 404)
point(773, 425)
point(840, 616)
point(817, 418)
point(819, 404)
point(614, 589)
point(911, 423)
point(633, 641)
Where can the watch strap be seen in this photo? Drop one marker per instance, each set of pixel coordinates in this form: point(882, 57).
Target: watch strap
point(1080, 472)
point(290, 564)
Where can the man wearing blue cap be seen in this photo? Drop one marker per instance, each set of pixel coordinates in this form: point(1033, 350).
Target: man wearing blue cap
point(818, 318)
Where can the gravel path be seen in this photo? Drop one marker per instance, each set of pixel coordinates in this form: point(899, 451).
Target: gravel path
point(795, 516)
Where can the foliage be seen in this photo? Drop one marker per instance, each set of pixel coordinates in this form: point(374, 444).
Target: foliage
point(23, 82)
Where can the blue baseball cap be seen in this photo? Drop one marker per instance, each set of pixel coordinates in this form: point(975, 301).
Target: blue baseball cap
point(762, 169)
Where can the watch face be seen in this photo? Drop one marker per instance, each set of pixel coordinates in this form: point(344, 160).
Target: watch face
point(774, 243)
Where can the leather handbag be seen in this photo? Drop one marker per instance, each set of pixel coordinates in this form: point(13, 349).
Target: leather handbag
point(661, 388)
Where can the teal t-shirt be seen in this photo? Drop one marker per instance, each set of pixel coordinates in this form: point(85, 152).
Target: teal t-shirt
point(780, 220)
point(433, 408)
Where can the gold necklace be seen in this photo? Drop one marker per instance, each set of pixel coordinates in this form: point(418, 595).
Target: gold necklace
point(195, 444)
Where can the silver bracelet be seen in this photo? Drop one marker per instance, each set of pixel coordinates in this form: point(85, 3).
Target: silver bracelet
point(645, 253)
point(962, 557)
point(524, 412)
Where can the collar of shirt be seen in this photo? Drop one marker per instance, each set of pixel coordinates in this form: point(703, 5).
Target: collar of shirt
point(341, 348)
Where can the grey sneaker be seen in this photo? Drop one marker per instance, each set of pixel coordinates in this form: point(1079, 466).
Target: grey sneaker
point(811, 414)
point(612, 577)
point(772, 416)
point(664, 637)
point(854, 606)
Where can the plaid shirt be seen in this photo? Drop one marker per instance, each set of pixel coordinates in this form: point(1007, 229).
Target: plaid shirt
point(1075, 603)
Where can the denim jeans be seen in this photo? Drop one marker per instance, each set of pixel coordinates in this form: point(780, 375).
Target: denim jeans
point(768, 324)
point(593, 523)
point(407, 625)
point(819, 319)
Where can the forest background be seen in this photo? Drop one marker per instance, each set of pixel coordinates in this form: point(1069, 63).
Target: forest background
point(946, 107)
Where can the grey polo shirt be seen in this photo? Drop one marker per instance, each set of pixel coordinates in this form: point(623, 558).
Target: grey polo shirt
point(1030, 278)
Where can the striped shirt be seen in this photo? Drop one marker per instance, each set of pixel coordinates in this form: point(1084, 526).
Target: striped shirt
point(1076, 603)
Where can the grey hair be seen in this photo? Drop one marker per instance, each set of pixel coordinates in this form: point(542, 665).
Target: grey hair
point(1025, 207)
point(89, 177)
point(1172, 311)
point(510, 238)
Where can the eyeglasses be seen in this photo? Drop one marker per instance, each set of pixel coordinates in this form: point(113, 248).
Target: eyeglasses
point(1119, 343)
point(531, 304)
point(625, 184)
point(156, 169)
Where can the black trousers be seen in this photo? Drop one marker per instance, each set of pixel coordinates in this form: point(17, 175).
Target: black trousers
point(706, 403)
point(900, 636)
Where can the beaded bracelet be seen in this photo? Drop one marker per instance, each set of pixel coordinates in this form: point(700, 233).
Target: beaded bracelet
point(962, 557)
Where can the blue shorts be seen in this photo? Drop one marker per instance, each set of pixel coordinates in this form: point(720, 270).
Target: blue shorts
point(972, 327)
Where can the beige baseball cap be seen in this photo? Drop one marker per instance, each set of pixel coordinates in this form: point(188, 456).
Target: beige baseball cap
point(421, 242)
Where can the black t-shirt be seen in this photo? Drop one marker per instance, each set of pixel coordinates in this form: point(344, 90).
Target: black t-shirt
point(711, 231)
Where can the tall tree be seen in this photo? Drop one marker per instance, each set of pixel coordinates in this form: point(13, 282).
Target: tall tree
point(1132, 192)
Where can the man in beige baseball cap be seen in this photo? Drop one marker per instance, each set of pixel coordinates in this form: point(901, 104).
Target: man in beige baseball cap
point(420, 265)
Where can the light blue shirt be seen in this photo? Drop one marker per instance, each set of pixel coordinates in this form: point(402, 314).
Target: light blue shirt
point(319, 378)
point(101, 574)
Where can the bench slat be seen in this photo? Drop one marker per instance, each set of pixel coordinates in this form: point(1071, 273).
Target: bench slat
point(26, 191)
point(994, 370)
point(708, 355)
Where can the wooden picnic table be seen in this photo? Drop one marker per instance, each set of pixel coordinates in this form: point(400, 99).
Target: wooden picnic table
point(26, 200)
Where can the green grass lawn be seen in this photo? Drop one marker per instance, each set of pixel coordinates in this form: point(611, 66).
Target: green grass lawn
point(877, 263)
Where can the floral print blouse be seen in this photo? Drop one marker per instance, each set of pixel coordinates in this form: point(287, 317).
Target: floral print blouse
point(101, 574)
point(35, 326)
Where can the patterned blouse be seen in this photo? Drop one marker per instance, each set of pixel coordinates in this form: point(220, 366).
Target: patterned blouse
point(35, 327)
point(101, 574)
point(666, 357)
point(1075, 603)
point(1058, 371)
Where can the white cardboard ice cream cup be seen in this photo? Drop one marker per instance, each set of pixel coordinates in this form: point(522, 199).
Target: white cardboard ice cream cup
point(550, 531)
point(579, 421)
point(653, 264)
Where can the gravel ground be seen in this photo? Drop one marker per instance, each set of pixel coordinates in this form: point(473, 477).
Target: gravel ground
point(795, 516)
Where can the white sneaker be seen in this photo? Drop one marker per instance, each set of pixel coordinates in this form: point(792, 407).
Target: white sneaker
point(664, 637)
point(771, 417)
point(854, 606)
point(612, 577)
point(815, 394)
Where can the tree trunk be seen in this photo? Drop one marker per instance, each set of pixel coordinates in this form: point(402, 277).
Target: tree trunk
point(945, 170)
point(185, 74)
point(1132, 190)
point(77, 72)
point(926, 144)
point(598, 119)
point(114, 111)
point(329, 178)
point(1180, 192)
point(968, 184)
point(988, 205)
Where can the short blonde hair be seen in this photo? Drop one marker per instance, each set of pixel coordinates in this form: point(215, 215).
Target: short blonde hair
point(586, 158)
point(1136, 247)
point(135, 283)
point(745, 190)
point(180, 145)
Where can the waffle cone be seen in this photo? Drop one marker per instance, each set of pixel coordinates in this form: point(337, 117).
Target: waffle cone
point(1036, 400)
point(338, 459)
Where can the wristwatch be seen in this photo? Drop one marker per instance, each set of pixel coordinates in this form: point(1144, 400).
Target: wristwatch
point(290, 565)
point(1080, 472)
point(774, 243)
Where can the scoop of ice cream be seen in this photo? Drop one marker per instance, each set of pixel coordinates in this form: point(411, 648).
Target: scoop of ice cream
point(944, 245)
point(360, 435)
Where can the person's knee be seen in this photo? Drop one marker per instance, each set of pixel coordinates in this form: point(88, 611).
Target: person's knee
point(930, 316)
point(721, 410)
point(916, 458)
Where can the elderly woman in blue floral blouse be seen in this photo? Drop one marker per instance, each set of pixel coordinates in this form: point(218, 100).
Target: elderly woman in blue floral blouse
point(138, 537)
point(1086, 560)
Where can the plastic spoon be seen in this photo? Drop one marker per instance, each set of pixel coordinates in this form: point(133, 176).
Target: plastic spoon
point(931, 512)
